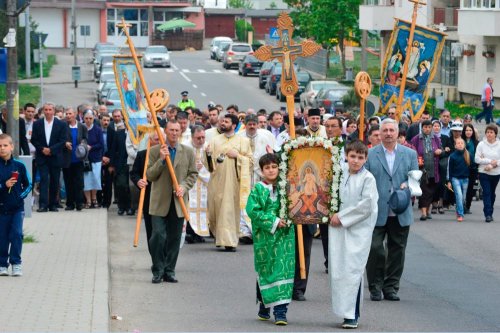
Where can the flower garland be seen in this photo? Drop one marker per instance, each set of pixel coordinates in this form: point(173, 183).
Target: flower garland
point(332, 145)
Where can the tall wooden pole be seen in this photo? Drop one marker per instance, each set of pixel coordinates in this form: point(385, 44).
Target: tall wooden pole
point(399, 106)
point(141, 198)
point(170, 167)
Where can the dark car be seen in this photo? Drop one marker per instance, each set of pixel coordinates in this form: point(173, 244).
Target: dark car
point(331, 99)
point(249, 65)
point(264, 72)
point(274, 77)
point(303, 78)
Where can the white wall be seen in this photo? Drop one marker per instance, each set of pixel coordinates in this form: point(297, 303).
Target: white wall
point(50, 21)
point(213, 3)
point(265, 4)
point(90, 17)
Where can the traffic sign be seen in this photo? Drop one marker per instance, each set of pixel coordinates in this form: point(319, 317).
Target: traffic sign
point(37, 55)
point(75, 73)
point(273, 33)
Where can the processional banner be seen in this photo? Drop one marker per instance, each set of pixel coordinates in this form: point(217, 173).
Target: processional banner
point(422, 60)
point(132, 97)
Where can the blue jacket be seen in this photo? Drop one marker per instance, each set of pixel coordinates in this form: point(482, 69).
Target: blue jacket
point(13, 201)
point(457, 167)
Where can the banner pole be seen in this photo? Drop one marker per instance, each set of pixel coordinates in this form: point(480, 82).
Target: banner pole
point(141, 198)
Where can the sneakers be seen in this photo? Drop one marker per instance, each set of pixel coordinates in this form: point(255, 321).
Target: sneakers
point(264, 313)
point(350, 323)
point(460, 218)
point(17, 270)
point(280, 320)
point(4, 271)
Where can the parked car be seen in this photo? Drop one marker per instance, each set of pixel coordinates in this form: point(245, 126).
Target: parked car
point(331, 99)
point(274, 77)
point(112, 100)
point(235, 53)
point(214, 44)
point(101, 46)
point(249, 65)
point(104, 90)
point(105, 77)
point(303, 78)
point(264, 72)
point(107, 53)
point(156, 55)
point(106, 64)
point(223, 46)
point(311, 90)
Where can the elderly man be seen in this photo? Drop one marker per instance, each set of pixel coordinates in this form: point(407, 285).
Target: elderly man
point(166, 214)
point(261, 142)
point(314, 127)
point(230, 162)
point(445, 119)
point(262, 121)
point(390, 164)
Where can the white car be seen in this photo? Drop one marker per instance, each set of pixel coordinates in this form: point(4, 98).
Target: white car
point(156, 55)
point(223, 46)
point(312, 89)
point(214, 45)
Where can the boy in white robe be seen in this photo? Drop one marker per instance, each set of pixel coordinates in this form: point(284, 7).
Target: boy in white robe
point(350, 234)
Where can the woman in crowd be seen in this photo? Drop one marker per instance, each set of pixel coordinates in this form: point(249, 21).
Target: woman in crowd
point(428, 147)
point(488, 158)
point(437, 205)
point(458, 175)
point(92, 178)
point(469, 135)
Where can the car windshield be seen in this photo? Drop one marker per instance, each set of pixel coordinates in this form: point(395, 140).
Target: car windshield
point(106, 48)
point(107, 76)
point(223, 44)
point(156, 49)
point(323, 85)
point(336, 94)
point(242, 48)
point(251, 58)
point(113, 94)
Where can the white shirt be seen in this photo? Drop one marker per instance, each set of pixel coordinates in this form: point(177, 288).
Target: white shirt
point(48, 129)
point(390, 157)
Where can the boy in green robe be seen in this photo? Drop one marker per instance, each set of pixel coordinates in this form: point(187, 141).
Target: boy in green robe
point(274, 245)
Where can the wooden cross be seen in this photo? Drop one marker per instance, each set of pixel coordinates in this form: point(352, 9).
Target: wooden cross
point(286, 52)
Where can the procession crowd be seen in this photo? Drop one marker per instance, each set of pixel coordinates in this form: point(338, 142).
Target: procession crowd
point(226, 164)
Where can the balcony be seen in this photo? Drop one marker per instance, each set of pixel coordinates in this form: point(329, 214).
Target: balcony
point(479, 17)
point(376, 15)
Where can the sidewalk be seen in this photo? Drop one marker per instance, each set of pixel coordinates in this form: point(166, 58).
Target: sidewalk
point(59, 88)
point(66, 276)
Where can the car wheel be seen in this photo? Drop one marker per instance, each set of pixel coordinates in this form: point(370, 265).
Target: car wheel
point(245, 73)
point(261, 85)
point(239, 72)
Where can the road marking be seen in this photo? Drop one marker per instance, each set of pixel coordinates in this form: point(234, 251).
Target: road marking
point(185, 70)
point(217, 71)
point(175, 67)
point(195, 86)
point(201, 71)
point(185, 76)
point(169, 70)
point(203, 94)
point(233, 71)
point(154, 70)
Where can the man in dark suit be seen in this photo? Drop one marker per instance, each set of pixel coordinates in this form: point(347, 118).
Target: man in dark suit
point(104, 196)
point(164, 207)
point(49, 137)
point(389, 163)
point(119, 167)
point(276, 125)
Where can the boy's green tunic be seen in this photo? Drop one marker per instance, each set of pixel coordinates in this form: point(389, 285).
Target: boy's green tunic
point(274, 248)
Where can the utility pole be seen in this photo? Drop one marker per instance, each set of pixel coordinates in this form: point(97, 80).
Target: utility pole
point(27, 41)
point(73, 27)
point(40, 59)
point(12, 89)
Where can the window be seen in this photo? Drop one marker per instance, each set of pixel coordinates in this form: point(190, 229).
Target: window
point(111, 28)
point(448, 66)
point(85, 30)
point(137, 18)
point(489, 54)
point(471, 63)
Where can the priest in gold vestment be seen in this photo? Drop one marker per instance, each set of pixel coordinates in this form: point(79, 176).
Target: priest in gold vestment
point(229, 159)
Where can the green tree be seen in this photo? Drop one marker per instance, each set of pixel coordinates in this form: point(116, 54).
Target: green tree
point(242, 28)
point(247, 4)
point(273, 5)
point(314, 19)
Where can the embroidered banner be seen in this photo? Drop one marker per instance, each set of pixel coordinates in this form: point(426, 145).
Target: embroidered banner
point(134, 106)
point(422, 64)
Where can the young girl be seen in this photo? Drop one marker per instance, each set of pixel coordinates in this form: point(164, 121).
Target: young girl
point(458, 175)
point(469, 135)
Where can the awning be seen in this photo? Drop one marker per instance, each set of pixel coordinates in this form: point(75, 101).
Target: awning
point(175, 24)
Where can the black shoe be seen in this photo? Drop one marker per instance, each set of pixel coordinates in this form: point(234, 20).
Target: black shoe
point(376, 296)
point(42, 210)
point(391, 297)
point(230, 249)
point(156, 279)
point(53, 209)
point(247, 240)
point(423, 218)
point(131, 212)
point(189, 239)
point(429, 217)
point(171, 279)
point(79, 207)
point(121, 212)
point(298, 295)
point(198, 239)
point(488, 219)
point(59, 206)
point(71, 207)
point(350, 323)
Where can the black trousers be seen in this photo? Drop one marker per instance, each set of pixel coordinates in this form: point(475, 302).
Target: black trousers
point(73, 180)
point(473, 175)
point(49, 185)
point(385, 266)
point(307, 237)
point(122, 190)
point(104, 196)
point(165, 242)
point(323, 229)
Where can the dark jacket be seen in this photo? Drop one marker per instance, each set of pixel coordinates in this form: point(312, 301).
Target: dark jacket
point(96, 142)
point(457, 167)
point(56, 143)
point(418, 143)
point(136, 174)
point(24, 148)
point(13, 201)
point(82, 135)
point(118, 153)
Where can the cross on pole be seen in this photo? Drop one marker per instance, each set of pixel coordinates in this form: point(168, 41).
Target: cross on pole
point(286, 52)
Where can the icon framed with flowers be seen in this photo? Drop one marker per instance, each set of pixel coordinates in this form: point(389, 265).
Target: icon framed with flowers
point(309, 180)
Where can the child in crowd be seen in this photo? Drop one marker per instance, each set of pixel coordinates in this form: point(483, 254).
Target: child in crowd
point(274, 244)
point(350, 234)
point(14, 187)
point(458, 175)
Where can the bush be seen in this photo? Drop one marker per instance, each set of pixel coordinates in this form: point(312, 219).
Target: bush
point(242, 27)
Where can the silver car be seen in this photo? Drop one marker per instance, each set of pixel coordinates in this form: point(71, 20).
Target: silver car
point(235, 53)
point(112, 99)
point(312, 89)
point(223, 46)
point(157, 55)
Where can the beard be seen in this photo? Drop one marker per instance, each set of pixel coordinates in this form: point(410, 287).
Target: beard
point(224, 129)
